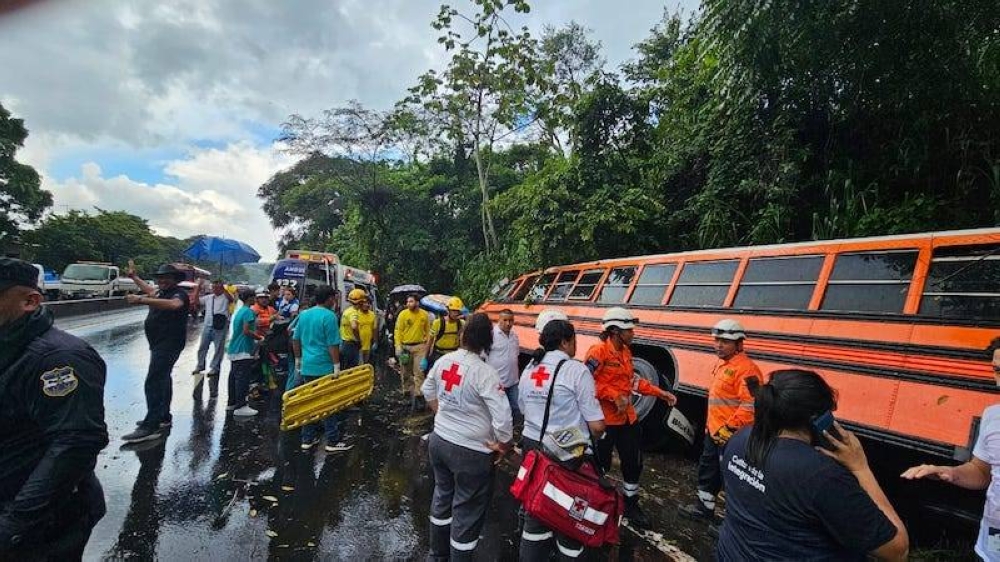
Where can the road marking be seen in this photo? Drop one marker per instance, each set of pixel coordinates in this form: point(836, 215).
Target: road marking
point(659, 542)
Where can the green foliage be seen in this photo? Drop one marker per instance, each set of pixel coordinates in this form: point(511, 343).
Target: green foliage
point(22, 200)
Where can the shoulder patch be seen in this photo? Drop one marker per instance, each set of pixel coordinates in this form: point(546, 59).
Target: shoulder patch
point(592, 364)
point(59, 382)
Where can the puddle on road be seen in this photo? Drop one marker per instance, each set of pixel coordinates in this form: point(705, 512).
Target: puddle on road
point(231, 489)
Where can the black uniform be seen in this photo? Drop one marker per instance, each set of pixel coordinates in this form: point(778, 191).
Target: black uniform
point(166, 332)
point(51, 430)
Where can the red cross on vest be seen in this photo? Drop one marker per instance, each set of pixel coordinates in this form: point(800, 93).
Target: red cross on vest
point(540, 376)
point(451, 377)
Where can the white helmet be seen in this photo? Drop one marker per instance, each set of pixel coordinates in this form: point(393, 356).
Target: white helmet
point(618, 317)
point(727, 329)
point(546, 316)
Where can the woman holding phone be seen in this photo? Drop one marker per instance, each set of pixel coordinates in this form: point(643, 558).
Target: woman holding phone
point(788, 498)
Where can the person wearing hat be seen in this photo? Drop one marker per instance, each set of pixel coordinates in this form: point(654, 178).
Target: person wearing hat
point(730, 407)
point(166, 332)
point(51, 427)
point(610, 361)
point(264, 311)
point(357, 328)
point(446, 331)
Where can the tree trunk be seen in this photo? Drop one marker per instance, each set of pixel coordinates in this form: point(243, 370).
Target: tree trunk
point(489, 232)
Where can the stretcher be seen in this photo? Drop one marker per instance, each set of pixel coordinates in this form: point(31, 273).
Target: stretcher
point(325, 396)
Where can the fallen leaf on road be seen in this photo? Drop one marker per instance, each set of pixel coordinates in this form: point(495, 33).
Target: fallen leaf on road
point(270, 498)
point(288, 488)
point(253, 513)
point(270, 533)
point(221, 476)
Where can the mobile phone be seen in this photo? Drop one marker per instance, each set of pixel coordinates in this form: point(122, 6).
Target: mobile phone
point(821, 423)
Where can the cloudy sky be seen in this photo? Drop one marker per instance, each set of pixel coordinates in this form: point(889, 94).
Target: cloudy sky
point(169, 109)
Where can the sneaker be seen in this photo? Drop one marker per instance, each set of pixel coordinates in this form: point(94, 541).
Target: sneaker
point(698, 510)
point(306, 445)
point(231, 408)
point(197, 371)
point(142, 434)
point(340, 446)
point(245, 411)
point(163, 424)
point(211, 374)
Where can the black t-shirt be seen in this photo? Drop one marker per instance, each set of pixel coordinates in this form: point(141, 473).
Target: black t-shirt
point(168, 327)
point(801, 506)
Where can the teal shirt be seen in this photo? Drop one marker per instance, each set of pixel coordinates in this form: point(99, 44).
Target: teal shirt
point(242, 343)
point(317, 331)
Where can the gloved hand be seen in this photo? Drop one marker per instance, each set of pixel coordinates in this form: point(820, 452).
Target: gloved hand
point(423, 364)
point(723, 435)
point(399, 351)
point(336, 369)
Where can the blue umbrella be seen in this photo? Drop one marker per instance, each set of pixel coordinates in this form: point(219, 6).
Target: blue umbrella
point(225, 251)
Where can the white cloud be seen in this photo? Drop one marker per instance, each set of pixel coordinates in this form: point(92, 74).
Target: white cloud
point(212, 191)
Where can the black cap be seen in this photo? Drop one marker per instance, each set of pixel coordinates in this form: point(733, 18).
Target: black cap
point(17, 272)
point(168, 270)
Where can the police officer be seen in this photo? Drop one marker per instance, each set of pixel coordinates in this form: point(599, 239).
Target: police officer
point(166, 332)
point(51, 427)
point(730, 407)
point(615, 381)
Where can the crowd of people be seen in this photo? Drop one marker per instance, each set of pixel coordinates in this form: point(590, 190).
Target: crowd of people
point(795, 490)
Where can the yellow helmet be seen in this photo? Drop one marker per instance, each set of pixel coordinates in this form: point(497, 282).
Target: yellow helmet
point(455, 303)
point(357, 295)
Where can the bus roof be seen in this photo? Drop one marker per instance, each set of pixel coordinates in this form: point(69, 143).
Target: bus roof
point(894, 240)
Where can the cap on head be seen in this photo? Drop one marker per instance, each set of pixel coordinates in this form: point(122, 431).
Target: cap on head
point(15, 272)
point(169, 270)
point(548, 315)
point(618, 317)
point(728, 329)
point(455, 303)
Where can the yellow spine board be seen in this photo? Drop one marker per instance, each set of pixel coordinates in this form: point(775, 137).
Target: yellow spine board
point(326, 396)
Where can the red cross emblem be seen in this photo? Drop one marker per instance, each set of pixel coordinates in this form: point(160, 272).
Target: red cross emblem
point(451, 377)
point(540, 376)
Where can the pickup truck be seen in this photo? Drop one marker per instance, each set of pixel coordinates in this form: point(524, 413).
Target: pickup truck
point(48, 282)
point(85, 280)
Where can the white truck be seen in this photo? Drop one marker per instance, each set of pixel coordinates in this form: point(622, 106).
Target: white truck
point(87, 280)
point(49, 285)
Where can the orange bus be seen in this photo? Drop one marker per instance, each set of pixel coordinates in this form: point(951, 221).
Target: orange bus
point(899, 325)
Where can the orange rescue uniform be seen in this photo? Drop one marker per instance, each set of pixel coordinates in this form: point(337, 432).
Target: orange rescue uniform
point(614, 376)
point(730, 403)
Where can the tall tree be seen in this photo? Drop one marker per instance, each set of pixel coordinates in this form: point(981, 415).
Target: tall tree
point(479, 99)
point(22, 200)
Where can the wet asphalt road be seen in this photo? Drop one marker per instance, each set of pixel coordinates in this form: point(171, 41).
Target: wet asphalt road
point(221, 488)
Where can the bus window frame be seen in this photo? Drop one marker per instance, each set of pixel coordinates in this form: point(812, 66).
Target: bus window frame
point(667, 288)
point(555, 283)
point(548, 288)
point(770, 257)
point(593, 291)
point(917, 278)
point(636, 267)
point(527, 282)
point(929, 262)
point(730, 294)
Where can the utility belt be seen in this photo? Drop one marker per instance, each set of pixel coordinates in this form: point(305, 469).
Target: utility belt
point(443, 350)
point(412, 344)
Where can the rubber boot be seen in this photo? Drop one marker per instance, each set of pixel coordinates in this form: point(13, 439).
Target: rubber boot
point(634, 513)
point(440, 543)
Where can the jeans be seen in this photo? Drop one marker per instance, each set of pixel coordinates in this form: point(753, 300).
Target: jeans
point(211, 336)
point(239, 382)
point(512, 398)
point(350, 354)
point(159, 386)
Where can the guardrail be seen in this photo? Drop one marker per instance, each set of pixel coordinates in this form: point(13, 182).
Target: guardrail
point(65, 309)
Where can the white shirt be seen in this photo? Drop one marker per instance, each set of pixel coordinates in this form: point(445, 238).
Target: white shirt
point(574, 401)
point(215, 304)
point(472, 406)
point(987, 449)
point(503, 356)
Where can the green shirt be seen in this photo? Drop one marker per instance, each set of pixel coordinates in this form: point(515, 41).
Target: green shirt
point(241, 345)
point(317, 331)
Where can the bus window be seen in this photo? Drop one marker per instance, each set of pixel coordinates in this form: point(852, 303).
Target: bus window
point(564, 283)
point(870, 282)
point(541, 286)
point(525, 287)
point(963, 283)
point(704, 283)
point(585, 286)
point(617, 284)
point(779, 283)
point(652, 284)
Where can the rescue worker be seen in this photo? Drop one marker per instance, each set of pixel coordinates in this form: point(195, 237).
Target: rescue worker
point(355, 325)
point(575, 418)
point(446, 331)
point(166, 332)
point(610, 361)
point(264, 312)
point(472, 422)
point(51, 427)
point(730, 407)
point(366, 329)
point(413, 327)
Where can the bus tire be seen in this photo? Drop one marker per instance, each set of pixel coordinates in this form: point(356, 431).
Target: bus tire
point(655, 415)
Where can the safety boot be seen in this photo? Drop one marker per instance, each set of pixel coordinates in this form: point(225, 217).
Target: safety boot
point(634, 513)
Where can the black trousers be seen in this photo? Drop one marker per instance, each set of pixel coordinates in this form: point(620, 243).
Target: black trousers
point(463, 486)
point(538, 542)
point(624, 439)
point(65, 538)
point(239, 382)
point(159, 386)
point(709, 468)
